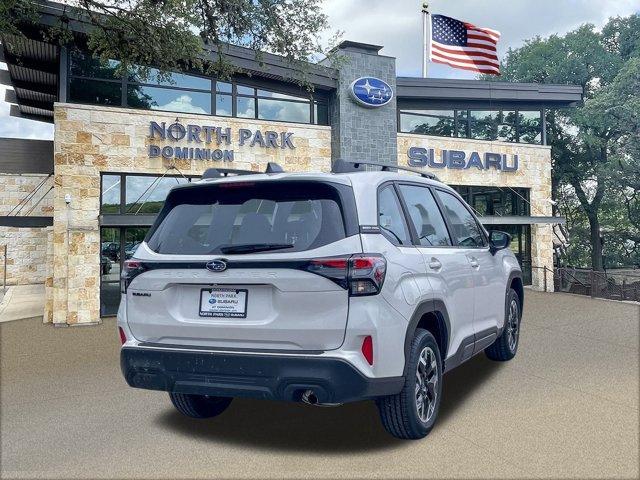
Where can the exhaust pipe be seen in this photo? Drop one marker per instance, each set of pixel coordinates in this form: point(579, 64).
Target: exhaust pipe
point(309, 397)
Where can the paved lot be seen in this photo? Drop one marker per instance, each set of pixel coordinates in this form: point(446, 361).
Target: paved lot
point(567, 406)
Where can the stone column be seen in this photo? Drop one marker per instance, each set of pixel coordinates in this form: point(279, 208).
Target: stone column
point(542, 256)
point(76, 235)
point(358, 132)
point(48, 281)
point(542, 234)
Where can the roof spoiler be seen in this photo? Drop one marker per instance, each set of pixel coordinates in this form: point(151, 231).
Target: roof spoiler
point(343, 166)
point(272, 167)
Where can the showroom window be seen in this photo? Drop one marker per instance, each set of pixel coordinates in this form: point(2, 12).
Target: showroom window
point(94, 82)
point(126, 202)
point(504, 125)
point(503, 202)
point(495, 201)
point(136, 194)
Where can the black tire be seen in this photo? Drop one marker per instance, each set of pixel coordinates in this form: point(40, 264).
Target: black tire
point(399, 413)
point(506, 345)
point(199, 406)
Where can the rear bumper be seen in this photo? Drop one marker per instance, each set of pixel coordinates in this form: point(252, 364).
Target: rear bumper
point(275, 377)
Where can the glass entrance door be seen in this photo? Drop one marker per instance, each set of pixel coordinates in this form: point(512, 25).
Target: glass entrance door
point(520, 245)
point(117, 244)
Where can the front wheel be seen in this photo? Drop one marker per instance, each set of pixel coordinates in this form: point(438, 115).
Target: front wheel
point(412, 413)
point(506, 345)
point(199, 406)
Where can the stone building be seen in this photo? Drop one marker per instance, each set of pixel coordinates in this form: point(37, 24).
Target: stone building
point(121, 142)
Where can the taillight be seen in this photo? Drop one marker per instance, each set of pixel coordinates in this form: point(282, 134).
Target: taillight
point(123, 337)
point(366, 274)
point(367, 349)
point(130, 270)
point(333, 268)
point(360, 274)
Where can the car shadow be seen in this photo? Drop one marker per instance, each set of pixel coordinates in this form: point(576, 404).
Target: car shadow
point(460, 383)
point(292, 427)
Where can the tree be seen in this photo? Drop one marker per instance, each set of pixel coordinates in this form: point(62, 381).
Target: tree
point(172, 35)
point(595, 146)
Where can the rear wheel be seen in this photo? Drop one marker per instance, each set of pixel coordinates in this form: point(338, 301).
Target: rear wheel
point(412, 413)
point(506, 345)
point(199, 406)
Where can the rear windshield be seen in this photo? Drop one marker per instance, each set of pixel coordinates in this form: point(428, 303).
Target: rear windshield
point(262, 216)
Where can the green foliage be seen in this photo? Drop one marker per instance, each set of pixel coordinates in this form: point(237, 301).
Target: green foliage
point(596, 146)
point(14, 13)
point(172, 35)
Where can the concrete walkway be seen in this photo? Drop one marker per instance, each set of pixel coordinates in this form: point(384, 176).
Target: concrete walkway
point(565, 407)
point(22, 301)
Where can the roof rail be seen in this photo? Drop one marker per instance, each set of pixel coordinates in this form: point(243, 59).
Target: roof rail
point(343, 166)
point(272, 167)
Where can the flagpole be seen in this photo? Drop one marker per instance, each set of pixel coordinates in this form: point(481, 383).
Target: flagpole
point(426, 37)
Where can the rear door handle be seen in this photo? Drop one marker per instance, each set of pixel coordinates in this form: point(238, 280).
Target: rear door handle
point(435, 264)
point(474, 262)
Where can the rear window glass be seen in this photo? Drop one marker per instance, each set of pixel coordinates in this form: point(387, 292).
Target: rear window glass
point(216, 219)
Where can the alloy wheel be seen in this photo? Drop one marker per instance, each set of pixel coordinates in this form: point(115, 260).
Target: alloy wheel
point(426, 384)
point(513, 326)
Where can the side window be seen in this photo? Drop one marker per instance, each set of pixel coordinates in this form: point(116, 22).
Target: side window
point(390, 217)
point(464, 227)
point(425, 215)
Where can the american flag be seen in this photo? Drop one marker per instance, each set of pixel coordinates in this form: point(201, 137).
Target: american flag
point(463, 45)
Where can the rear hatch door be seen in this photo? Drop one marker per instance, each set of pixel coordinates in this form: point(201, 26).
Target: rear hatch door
point(232, 266)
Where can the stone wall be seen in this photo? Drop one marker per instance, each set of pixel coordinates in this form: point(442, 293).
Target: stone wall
point(534, 173)
point(89, 140)
point(26, 247)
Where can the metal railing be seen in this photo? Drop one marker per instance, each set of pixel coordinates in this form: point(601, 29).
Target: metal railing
point(614, 285)
point(4, 270)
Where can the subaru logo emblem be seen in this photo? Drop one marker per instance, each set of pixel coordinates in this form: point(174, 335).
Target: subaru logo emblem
point(371, 92)
point(217, 266)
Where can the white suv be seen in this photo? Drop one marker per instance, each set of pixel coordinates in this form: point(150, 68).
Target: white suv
point(314, 287)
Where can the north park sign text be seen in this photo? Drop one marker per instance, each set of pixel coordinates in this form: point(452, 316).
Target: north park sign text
point(200, 135)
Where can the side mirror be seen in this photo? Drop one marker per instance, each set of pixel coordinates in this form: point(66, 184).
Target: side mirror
point(498, 241)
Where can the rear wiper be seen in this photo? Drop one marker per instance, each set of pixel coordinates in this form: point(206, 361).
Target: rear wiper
point(253, 247)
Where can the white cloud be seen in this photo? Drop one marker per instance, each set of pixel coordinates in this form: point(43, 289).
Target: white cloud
point(184, 103)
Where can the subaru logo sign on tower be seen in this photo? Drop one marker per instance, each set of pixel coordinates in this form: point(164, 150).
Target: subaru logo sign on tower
point(371, 92)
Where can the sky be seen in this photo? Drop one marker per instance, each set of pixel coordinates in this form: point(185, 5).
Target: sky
point(397, 25)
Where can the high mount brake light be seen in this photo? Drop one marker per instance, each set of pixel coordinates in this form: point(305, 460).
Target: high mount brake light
point(130, 270)
point(236, 184)
point(360, 274)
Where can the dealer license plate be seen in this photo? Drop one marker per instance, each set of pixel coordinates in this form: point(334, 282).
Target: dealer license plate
point(223, 302)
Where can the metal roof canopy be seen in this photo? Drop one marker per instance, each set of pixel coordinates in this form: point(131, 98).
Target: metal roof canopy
point(33, 73)
point(412, 92)
point(521, 220)
point(20, 155)
point(268, 66)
